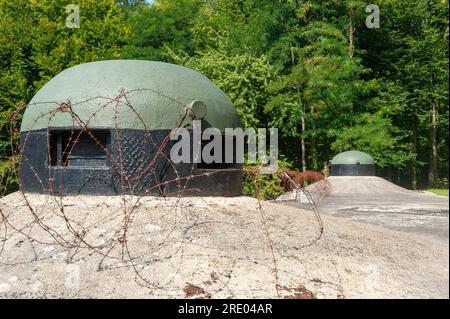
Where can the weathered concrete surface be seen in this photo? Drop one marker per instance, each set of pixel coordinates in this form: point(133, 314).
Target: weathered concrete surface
point(373, 200)
point(219, 246)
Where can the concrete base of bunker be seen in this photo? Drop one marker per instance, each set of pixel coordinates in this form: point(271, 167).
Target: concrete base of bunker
point(123, 161)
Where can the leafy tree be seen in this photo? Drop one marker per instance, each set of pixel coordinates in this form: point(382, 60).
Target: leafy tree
point(311, 68)
point(320, 89)
point(244, 78)
point(56, 47)
point(164, 22)
point(410, 52)
point(375, 135)
point(35, 45)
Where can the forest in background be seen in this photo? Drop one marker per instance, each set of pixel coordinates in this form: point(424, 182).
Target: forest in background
point(313, 69)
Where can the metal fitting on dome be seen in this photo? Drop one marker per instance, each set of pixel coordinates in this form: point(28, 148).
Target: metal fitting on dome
point(197, 110)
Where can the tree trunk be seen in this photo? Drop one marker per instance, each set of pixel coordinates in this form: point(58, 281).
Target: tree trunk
point(414, 161)
point(302, 142)
point(313, 149)
point(351, 32)
point(432, 168)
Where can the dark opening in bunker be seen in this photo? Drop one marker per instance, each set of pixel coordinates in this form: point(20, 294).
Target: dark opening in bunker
point(71, 148)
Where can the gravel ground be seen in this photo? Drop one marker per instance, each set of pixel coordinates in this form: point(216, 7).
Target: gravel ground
point(206, 248)
point(373, 200)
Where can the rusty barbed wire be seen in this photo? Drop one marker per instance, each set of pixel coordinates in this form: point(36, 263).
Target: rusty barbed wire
point(75, 236)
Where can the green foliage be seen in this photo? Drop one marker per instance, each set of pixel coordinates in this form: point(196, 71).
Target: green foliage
point(322, 87)
point(376, 90)
point(8, 177)
point(265, 187)
point(438, 191)
point(374, 135)
point(410, 55)
point(166, 22)
point(56, 47)
point(244, 78)
point(35, 45)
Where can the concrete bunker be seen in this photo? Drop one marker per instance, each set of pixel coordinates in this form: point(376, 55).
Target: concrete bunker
point(104, 128)
point(353, 163)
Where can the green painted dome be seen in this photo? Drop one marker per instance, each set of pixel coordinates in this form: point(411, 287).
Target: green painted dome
point(160, 95)
point(352, 158)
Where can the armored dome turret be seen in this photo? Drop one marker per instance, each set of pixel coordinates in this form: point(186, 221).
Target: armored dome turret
point(353, 163)
point(103, 127)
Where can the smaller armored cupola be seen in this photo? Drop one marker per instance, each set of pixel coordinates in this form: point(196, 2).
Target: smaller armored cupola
point(353, 163)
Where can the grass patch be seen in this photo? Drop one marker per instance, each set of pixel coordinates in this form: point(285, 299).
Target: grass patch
point(439, 191)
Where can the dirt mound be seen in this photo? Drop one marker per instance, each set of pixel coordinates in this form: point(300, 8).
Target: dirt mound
point(345, 185)
point(363, 185)
point(375, 201)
